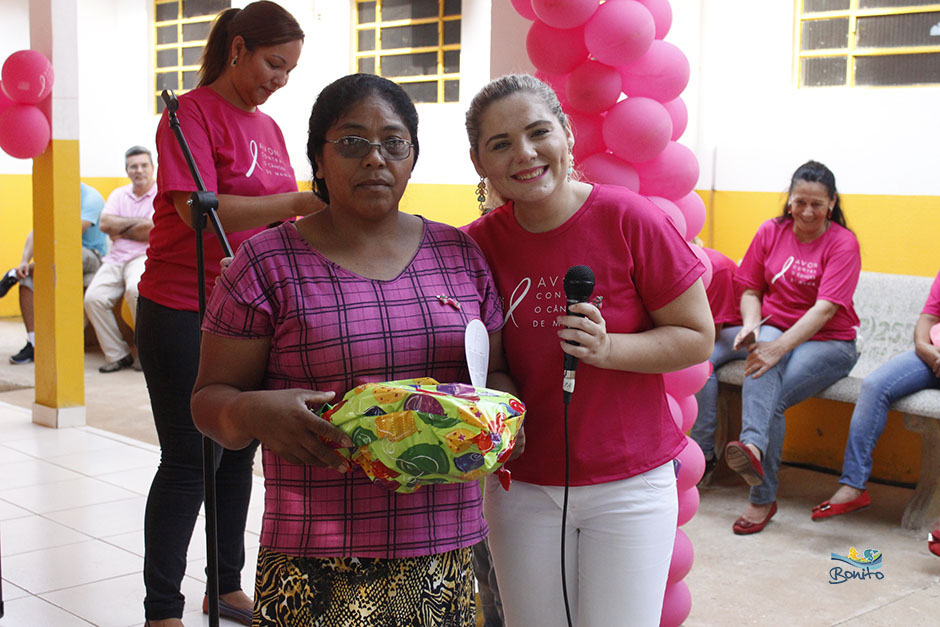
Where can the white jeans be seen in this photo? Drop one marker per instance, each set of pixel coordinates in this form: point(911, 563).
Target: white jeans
point(618, 546)
point(110, 283)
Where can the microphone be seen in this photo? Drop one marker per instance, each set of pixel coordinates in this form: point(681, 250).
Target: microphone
point(579, 283)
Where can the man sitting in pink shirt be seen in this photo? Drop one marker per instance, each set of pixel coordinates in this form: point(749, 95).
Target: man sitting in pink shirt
point(127, 219)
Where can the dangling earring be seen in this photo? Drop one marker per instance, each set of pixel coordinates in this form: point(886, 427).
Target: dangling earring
point(234, 61)
point(570, 164)
point(481, 194)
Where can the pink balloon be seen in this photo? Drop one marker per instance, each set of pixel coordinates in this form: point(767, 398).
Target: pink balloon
point(524, 8)
point(693, 208)
point(692, 465)
point(619, 32)
point(672, 174)
point(661, 73)
point(675, 410)
point(671, 210)
point(677, 603)
point(682, 557)
point(593, 87)
point(604, 167)
point(689, 406)
point(5, 101)
point(637, 129)
point(679, 115)
point(24, 131)
point(557, 83)
point(553, 50)
point(588, 137)
point(27, 76)
point(564, 13)
point(687, 381)
point(703, 257)
point(688, 505)
point(662, 15)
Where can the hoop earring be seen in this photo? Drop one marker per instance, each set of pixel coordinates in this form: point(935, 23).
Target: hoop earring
point(481, 194)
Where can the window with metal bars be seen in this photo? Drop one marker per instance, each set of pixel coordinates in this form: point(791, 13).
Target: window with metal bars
point(415, 43)
point(876, 43)
point(181, 28)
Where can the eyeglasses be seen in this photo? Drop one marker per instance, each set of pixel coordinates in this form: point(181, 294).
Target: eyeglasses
point(352, 147)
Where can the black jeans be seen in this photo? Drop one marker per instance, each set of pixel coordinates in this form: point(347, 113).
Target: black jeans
point(168, 348)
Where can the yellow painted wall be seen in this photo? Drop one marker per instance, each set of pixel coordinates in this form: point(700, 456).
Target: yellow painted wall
point(16, 215)
point(451, 204)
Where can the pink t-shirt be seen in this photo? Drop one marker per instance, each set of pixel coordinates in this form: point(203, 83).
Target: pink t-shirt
point(236, 152)
point(723, 299)
point(932, 306)
point(123, 202)
point(792, 275)
point(619, 423)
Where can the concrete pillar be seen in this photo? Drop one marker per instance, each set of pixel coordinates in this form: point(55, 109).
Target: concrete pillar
point(60, 374)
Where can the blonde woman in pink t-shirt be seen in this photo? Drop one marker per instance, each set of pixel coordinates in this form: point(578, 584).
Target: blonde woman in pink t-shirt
point(649, 315)
point(798, 275)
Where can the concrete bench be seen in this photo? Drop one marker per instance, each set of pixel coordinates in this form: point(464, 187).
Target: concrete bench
point(888, 306)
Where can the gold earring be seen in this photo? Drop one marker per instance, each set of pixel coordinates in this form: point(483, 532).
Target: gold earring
point(481, 194)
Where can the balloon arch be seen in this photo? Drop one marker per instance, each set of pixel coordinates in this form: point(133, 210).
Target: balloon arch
point(620, 85)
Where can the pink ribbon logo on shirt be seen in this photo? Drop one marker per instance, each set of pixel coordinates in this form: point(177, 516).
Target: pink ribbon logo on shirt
point(253, 147)
point(515, 302)
point(786, 266)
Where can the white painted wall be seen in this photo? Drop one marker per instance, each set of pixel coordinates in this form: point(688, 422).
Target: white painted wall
point(876, 140)
point(744, 108)
point(115, 83)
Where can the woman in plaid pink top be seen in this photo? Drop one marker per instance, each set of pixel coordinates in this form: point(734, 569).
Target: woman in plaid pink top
point(356, 293)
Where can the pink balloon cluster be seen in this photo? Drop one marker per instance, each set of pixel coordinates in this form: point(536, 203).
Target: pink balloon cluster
point(620, 85)
point(25, 80)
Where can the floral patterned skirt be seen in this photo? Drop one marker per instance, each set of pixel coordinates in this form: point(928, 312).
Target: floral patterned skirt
point(425, 591)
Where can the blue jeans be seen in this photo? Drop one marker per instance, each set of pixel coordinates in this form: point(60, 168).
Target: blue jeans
point(902, 375)
point(806, 370)
point(703, 430)
point(168, 348)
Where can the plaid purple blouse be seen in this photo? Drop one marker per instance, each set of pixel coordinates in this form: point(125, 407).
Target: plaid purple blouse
point(331, 329)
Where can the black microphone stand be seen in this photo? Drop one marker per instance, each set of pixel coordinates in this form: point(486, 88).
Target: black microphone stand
point(203, 204)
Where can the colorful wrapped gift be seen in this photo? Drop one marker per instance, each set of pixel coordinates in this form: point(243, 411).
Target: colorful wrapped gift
point(419, 432)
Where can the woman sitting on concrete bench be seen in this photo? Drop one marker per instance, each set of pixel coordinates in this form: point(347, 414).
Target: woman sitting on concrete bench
point(799, 275)
point(904, 374)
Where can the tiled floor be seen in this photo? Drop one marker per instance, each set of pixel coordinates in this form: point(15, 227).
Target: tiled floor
point(71, 522)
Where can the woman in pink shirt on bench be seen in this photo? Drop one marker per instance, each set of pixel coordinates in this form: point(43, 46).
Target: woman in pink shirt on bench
point(798, 275)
